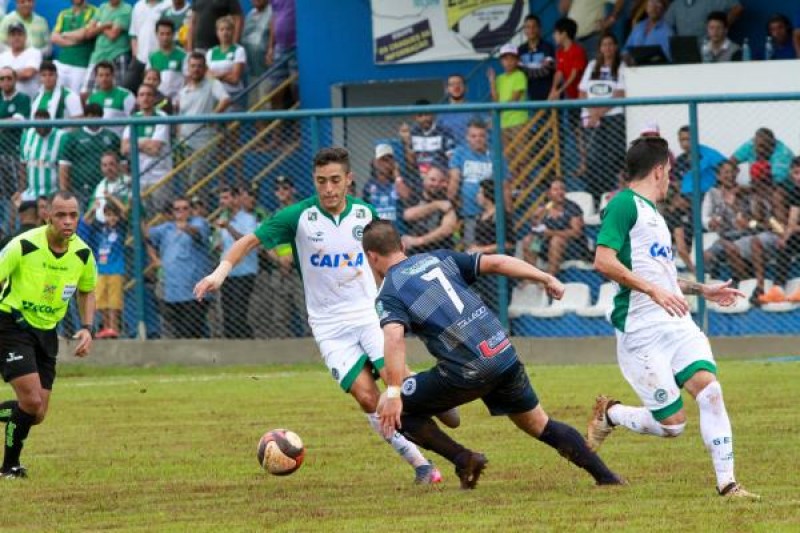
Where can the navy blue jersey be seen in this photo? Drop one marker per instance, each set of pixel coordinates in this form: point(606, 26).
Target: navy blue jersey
point(429, 294)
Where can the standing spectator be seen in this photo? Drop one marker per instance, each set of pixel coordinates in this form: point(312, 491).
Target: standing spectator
point(779, 29)
point(24, 59)
point(689, 18)
point(570, 64)
point(169, 60)
point(604, 126)
point(35, 26)
point(182, 251)
point(558, 232)
point(79, 165)
point(114, 184)
point(16, 106)
point(382, 189)
point(590, 17)
point(238, 287)
point(709, 161)
point(537, 60)
point(249, 204)
point(57, 100)
point(201, 95)
point(652, 31)
point(155, 159)
point(255, 38)
point(456, 95)
point(765, 147)
point(510, 86)
point(27, 216)
point(432, 221)
point(112, 41)
point(717, 48)
point(142, 32)
point(202, 35)
point(116, 102)
point(471, 165)
point(282, 40)
point(179, 12)
point(107, 240)
point(227, 61)
point(40, 150)
point(75, 42)
point(426, 143)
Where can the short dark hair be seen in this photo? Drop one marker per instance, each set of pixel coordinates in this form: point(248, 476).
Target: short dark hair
point(166, 22)
point(27, 205)
point(644, 155)
point(64, 195)
point(783, 19)
point(333, 154)
point(719, 16)
point(684, 129)
point(197, 55)
point(477, 122)
point(232, 190)
point(108, 65)
point(457, 75)
point(92, 110)
point(795, 162)
point(568, 26)
point(534, 18)
point(149, 86)
point(109, 206)
point(381, 237)
point(41, 113)
point(48, 66)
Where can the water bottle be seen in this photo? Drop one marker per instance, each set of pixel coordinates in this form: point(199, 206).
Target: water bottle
point(746, 54)
point(768, 50)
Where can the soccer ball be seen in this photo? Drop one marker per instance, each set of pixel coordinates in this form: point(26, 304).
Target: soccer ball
point(280, 452)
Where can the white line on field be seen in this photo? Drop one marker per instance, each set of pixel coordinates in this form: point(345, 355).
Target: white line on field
point(127, 380)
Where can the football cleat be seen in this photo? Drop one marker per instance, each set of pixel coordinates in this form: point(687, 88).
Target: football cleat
point(600, 427)
point(15, 472)
point(734, 491)
point(427, 475)
point(450, 418)
point(471, 469)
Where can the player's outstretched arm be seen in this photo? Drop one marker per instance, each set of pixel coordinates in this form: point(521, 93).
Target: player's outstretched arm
point(720, 293)
point(238, 251)
point(394, 352)
point(518, 269)
point(607, 264)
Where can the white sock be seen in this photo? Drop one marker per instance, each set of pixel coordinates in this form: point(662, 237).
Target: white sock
point(637, 419)
point(715, 427)
point(405, 448)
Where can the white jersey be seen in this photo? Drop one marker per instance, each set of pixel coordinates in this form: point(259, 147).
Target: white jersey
point(636, 230)
point(339, 287)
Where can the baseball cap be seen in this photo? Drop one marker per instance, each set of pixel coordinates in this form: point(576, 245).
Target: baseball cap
point(16, 26)
point(382, 150)
point(508, 49)
point(283, 180)
point(649, 128)
point(761, 171)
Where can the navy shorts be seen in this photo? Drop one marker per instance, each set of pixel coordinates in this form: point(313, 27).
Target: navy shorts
point(432, 392)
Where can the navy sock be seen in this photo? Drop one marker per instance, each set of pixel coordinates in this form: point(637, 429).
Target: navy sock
point(572, 445)
point(424, 432)
point(17, 430)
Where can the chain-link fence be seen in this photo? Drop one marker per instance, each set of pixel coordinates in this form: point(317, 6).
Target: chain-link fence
point(164, 201)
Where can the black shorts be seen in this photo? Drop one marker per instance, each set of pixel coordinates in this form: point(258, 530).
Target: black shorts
point(431, 392)
point(27, 350)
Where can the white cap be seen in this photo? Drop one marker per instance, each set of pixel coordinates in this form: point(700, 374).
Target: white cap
point(382, 150)
point(650, 127)
point(508, 49)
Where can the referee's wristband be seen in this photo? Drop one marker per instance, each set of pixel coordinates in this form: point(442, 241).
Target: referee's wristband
point(89, 328)
point(392, 392)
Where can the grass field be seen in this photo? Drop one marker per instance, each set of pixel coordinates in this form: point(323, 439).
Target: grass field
point(173, 449)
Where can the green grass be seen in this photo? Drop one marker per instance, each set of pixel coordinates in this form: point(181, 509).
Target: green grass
point(173, 449)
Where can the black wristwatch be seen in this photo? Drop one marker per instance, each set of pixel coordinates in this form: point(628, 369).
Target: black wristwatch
point(89, 328)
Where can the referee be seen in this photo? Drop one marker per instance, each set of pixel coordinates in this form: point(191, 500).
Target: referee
point(40, 271)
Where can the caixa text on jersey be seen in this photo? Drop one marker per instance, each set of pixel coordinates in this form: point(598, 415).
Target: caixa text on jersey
point(337, 260)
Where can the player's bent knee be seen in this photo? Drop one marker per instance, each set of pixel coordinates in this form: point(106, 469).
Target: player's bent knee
point(673, 430)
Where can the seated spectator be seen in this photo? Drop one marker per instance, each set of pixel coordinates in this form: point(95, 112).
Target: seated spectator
point(456, 122)
point(80, 163)
point(537, 59)
point(789, 244)
point(510, 86)
point(678, 217)
point(426, 143)
point(725, 211)
point(689, 18)
point(558, 232)
point(181, 251)
point(652, 31)
point(779, 30)
point(23, 59)
point(163, 104)
point(227, 61)
point(16, 106)
point(432, 220)
point(764, 229)
point(385, 188)
point(114, 185)
point(35, 26)
point(201, 34)
point(57, 100)
point(604, 127)
point(709, 161)
point(469, 166)
point(112, 42)
point(765, 147)
point(169, 60)
point(40, 151)
point(717, 48)
point(107, 238)
point(75, 43)
point(116, 102)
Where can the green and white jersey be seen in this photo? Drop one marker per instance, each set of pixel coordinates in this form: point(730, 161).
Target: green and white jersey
point(116, 103)
point(173, 67)
point(68, 20)
point(59, 103)
point(38, 284)
point(40, 156)
point(222, 61)
point(338, 282)
point(634, 228)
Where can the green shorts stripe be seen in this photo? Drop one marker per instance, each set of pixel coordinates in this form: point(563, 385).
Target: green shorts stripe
point(350, 377)
point(685, 375)
point(669, 410)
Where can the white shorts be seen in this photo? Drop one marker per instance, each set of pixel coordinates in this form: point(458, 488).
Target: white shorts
point(348, 350)
point(71, 77)
point(658, 360)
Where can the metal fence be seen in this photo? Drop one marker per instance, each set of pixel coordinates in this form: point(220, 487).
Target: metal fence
point(450, 176)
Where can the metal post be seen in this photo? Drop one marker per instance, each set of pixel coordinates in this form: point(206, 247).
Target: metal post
point(138, 238)
point(500, 213)
point(697, 221)
point(314, 123)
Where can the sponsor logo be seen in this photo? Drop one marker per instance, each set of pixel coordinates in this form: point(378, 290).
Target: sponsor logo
point(37, 308)
point(68, 291)
point(337, 260)
point(312, 216)
point(358, 233)
point(409, 386)
point(464, 322)
point(335, 374)
point(317, 236)
point(361, 213)
point(49, 291)
point(494, 345)
point(382, 313)
point(13, 356)
point(661, 250)
point(422, 266)
point(660, 396)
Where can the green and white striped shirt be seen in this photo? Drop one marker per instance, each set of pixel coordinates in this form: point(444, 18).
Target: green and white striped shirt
point(40, 156)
